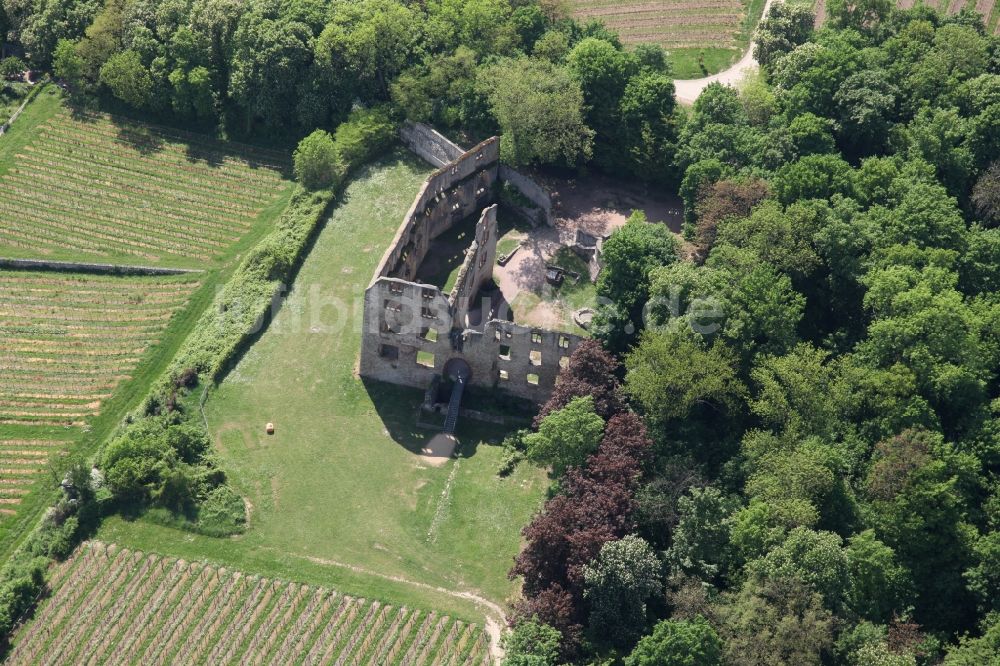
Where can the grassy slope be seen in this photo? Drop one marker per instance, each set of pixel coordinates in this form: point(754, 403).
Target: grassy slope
point(685, 62)
point(129, 394)
point(339, 483)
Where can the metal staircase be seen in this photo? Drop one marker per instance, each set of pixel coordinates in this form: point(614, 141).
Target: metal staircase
point(454, 404)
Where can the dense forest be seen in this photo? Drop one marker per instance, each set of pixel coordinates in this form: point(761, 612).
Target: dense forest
point(784, 447)
point(814, 475)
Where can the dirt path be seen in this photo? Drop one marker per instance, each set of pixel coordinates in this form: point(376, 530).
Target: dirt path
point(494, 613)
point(689, 89)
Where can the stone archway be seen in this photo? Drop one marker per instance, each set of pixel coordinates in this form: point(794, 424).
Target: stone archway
point(457, 369)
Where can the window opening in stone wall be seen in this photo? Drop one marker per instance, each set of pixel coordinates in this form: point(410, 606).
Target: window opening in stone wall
point(390, 352)
point(505, 352)
point(504, 375)
point(535, 357)
point(425, 359)
point(532, 379)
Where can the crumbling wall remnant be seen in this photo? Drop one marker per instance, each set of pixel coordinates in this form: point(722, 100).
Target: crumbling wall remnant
point(532, 191)
point(450, 194)
point(412, 330)
point(429, 144)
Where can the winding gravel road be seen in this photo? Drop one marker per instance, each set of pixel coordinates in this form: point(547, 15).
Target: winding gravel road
point(689, 89)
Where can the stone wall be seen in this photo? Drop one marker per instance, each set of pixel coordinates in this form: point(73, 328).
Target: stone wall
point(531, 191)
point(429, 144)
point(477, 268)
point(412, 330)
point(398, 347)
point(81, 267)
point(450, 194)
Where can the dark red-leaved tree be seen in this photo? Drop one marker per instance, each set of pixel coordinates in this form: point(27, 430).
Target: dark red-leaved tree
point(591, 371)
point(624, 451)
point(557, 608)
point(721, 200)
point(595, 506)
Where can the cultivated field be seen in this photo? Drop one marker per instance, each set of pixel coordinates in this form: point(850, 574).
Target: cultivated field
point(68, 340)
point(987, 8)
point(22, 460)
point(78, 349)
point(706, 36)
point(111, 605)
point(701, 36)
point(92, 187)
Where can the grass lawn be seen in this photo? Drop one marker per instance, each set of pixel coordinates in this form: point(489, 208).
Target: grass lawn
point(694, 63)
point(507, 244)
point(339, 494)
point(45, 105)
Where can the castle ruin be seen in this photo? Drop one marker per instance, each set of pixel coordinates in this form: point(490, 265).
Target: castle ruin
point(415, 332)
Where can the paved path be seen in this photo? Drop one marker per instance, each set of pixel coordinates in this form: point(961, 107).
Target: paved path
point(689, 89)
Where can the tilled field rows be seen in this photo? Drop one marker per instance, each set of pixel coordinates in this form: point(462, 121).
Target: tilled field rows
point(90, 187)
point(112, 606)
point(67, 341)
point(21, 461)
point(671, 23)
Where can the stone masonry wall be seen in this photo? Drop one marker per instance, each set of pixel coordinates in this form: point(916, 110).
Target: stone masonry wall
point(532, 191)
point(449, 195)
point(477, 268)
point(411, 330)
point(429, 144)
point(516, 359)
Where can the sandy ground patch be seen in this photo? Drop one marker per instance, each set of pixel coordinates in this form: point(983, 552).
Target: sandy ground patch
point(438, 451)
point(600, 204)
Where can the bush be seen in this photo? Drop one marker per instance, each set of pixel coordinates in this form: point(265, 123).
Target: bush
point(222, 512)
point(509, 460)
point(366, 134)
point(315, 161)
point(323, 161)
point(150, 460)
point(11, 68)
